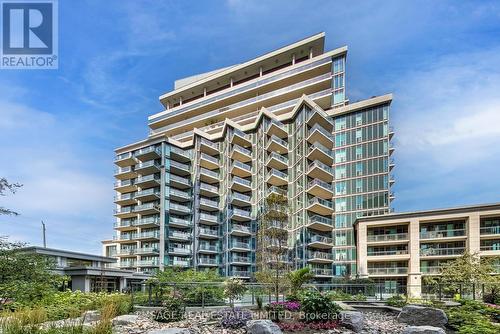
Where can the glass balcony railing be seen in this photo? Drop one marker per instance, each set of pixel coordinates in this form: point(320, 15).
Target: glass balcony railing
point(242, 165)
point(147, 250)
point(241, 228)
point(277, 156)
point(319, 164)
point(147, 192)
point(149, 149)
point(148, 263)
point(210, 158)
point(179, 193)
point(147, 178)
point(127, 251)
point(122, 170)
point(124, 183)
point(442, 234)
point(208, 217)
point(209, 143)
point(321, 148)
point(179, 207)
point(324, 202)
point(491, 247)
point(321, 129)
point(320, 255)
point(208, 202)
point(277, 173)
point(209, 187)
point(238, 148)
point(321, 239)
point(209, 231)
point(241, 259)
point(147, 206)
point(124, 197)
point(442, 251)
point(387, 237)
point(208, 172)
point(279, 141)
point(147, 164)
point(179, 235)
point(148, 221)
point(179, 250)
point(208, 247)
point(124, 223)
point(242, 181)
point(180, 221)
point(322, 272)
point(241, 197)
point(318, 182)
point(179, 179)
point(179, 165)
point(388, 271)
point(240, 273)
point(239, 244)
point(128, 264)
point(279, 191)
point(180, 152)
point(431, 270)
point(275, 122)
point(207, 261)
point(180, 263)
point(125, 236)
point(320, 220)
point(490, 230)
point(240, 212)
point(147, 235)
point(388, 252)
point(124, 210)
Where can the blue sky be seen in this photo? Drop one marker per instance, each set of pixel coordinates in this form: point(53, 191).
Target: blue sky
point(58, 128)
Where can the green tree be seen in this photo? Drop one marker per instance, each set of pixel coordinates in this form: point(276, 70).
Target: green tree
point(272, 241)
point(233, 289)
point(5, 186)
point(25, 277)
point(298, 278)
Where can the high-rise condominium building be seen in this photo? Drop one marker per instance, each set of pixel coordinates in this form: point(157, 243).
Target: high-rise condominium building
point(191, 193)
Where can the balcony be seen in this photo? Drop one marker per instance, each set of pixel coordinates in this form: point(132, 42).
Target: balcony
point(150, 194)
point(240, 215)
point(276, 178)
point(148, 153)
point(147, 208)
point(276, 128)
point(318, 170)
point(453, 251)
point(125, 224)
point(238, 246)
point(125, 237)
point(320, 189)
point(322, 272)
point(208, 233)
point(318, 117)
point(208, 161)
point(276, 144)
point(240, 230)
point(239, 137)
point(148, 167)
point(318, 241)
point(179, 195)
point(452, 233)
point(241, 154)
point(179, 182)
point(320, 223)
point(148, 222)
point(317, 134)
point(320, 206)
point(319, 257)
point(124, 252)
point(180, 154)
point(179, 209)
point(241, 185)
point(125, 159)
point(208, 248)
point(179, 168)
point(208, 204)
point(209, 219)
point(320, 153)
point(240, 199)
point(276, 191)
point(208, 190)
point(209, 147)
point(240, 260)
point(431, 270)
point(209, 176)
point(490, 231)
point(150, 235)
point(241, 169)
point(240, 273)
point(179, 236)
point(147, 250)
point(490, 245)
point(179, 222)
point(277, 161)
point(123, 173)
point(125, 199)
point(125, 186)
point(388, 252)
point(147, 181)
point(179, 250)
point(148, 263)
point(128, 264)
point(125, 212)
point(206, 261)
point(179, 262)
point(388, 271)
point(394, 237)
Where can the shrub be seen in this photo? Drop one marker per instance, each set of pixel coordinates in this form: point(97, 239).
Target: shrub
point(396, 301)
point(233, 289)
point(234, 317)
point(259, 302)
point(472, 317)
point(173, 310)
point(319, 307)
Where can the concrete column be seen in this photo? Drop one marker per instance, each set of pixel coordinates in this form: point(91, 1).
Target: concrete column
point(260, 71)
point(231, 82)
point(362, 251)
point(293, 59)
point(180, 100)
point(414, 283)
point(310, 52)
point(205, 91)
point(473, 233)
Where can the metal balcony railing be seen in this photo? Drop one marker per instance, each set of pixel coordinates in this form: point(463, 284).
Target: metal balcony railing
point(442, 251)
point(442, 234)
point(387, 237)
point(388, 271)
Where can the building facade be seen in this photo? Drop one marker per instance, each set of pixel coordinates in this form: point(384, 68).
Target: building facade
point(401, 248)
point(190, 194)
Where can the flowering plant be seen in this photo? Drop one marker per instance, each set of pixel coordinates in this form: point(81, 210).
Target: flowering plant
point(234, 318)
point(291, 306)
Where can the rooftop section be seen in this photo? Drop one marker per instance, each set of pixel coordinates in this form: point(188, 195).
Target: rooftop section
point(68, 254)
point(196, 86)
